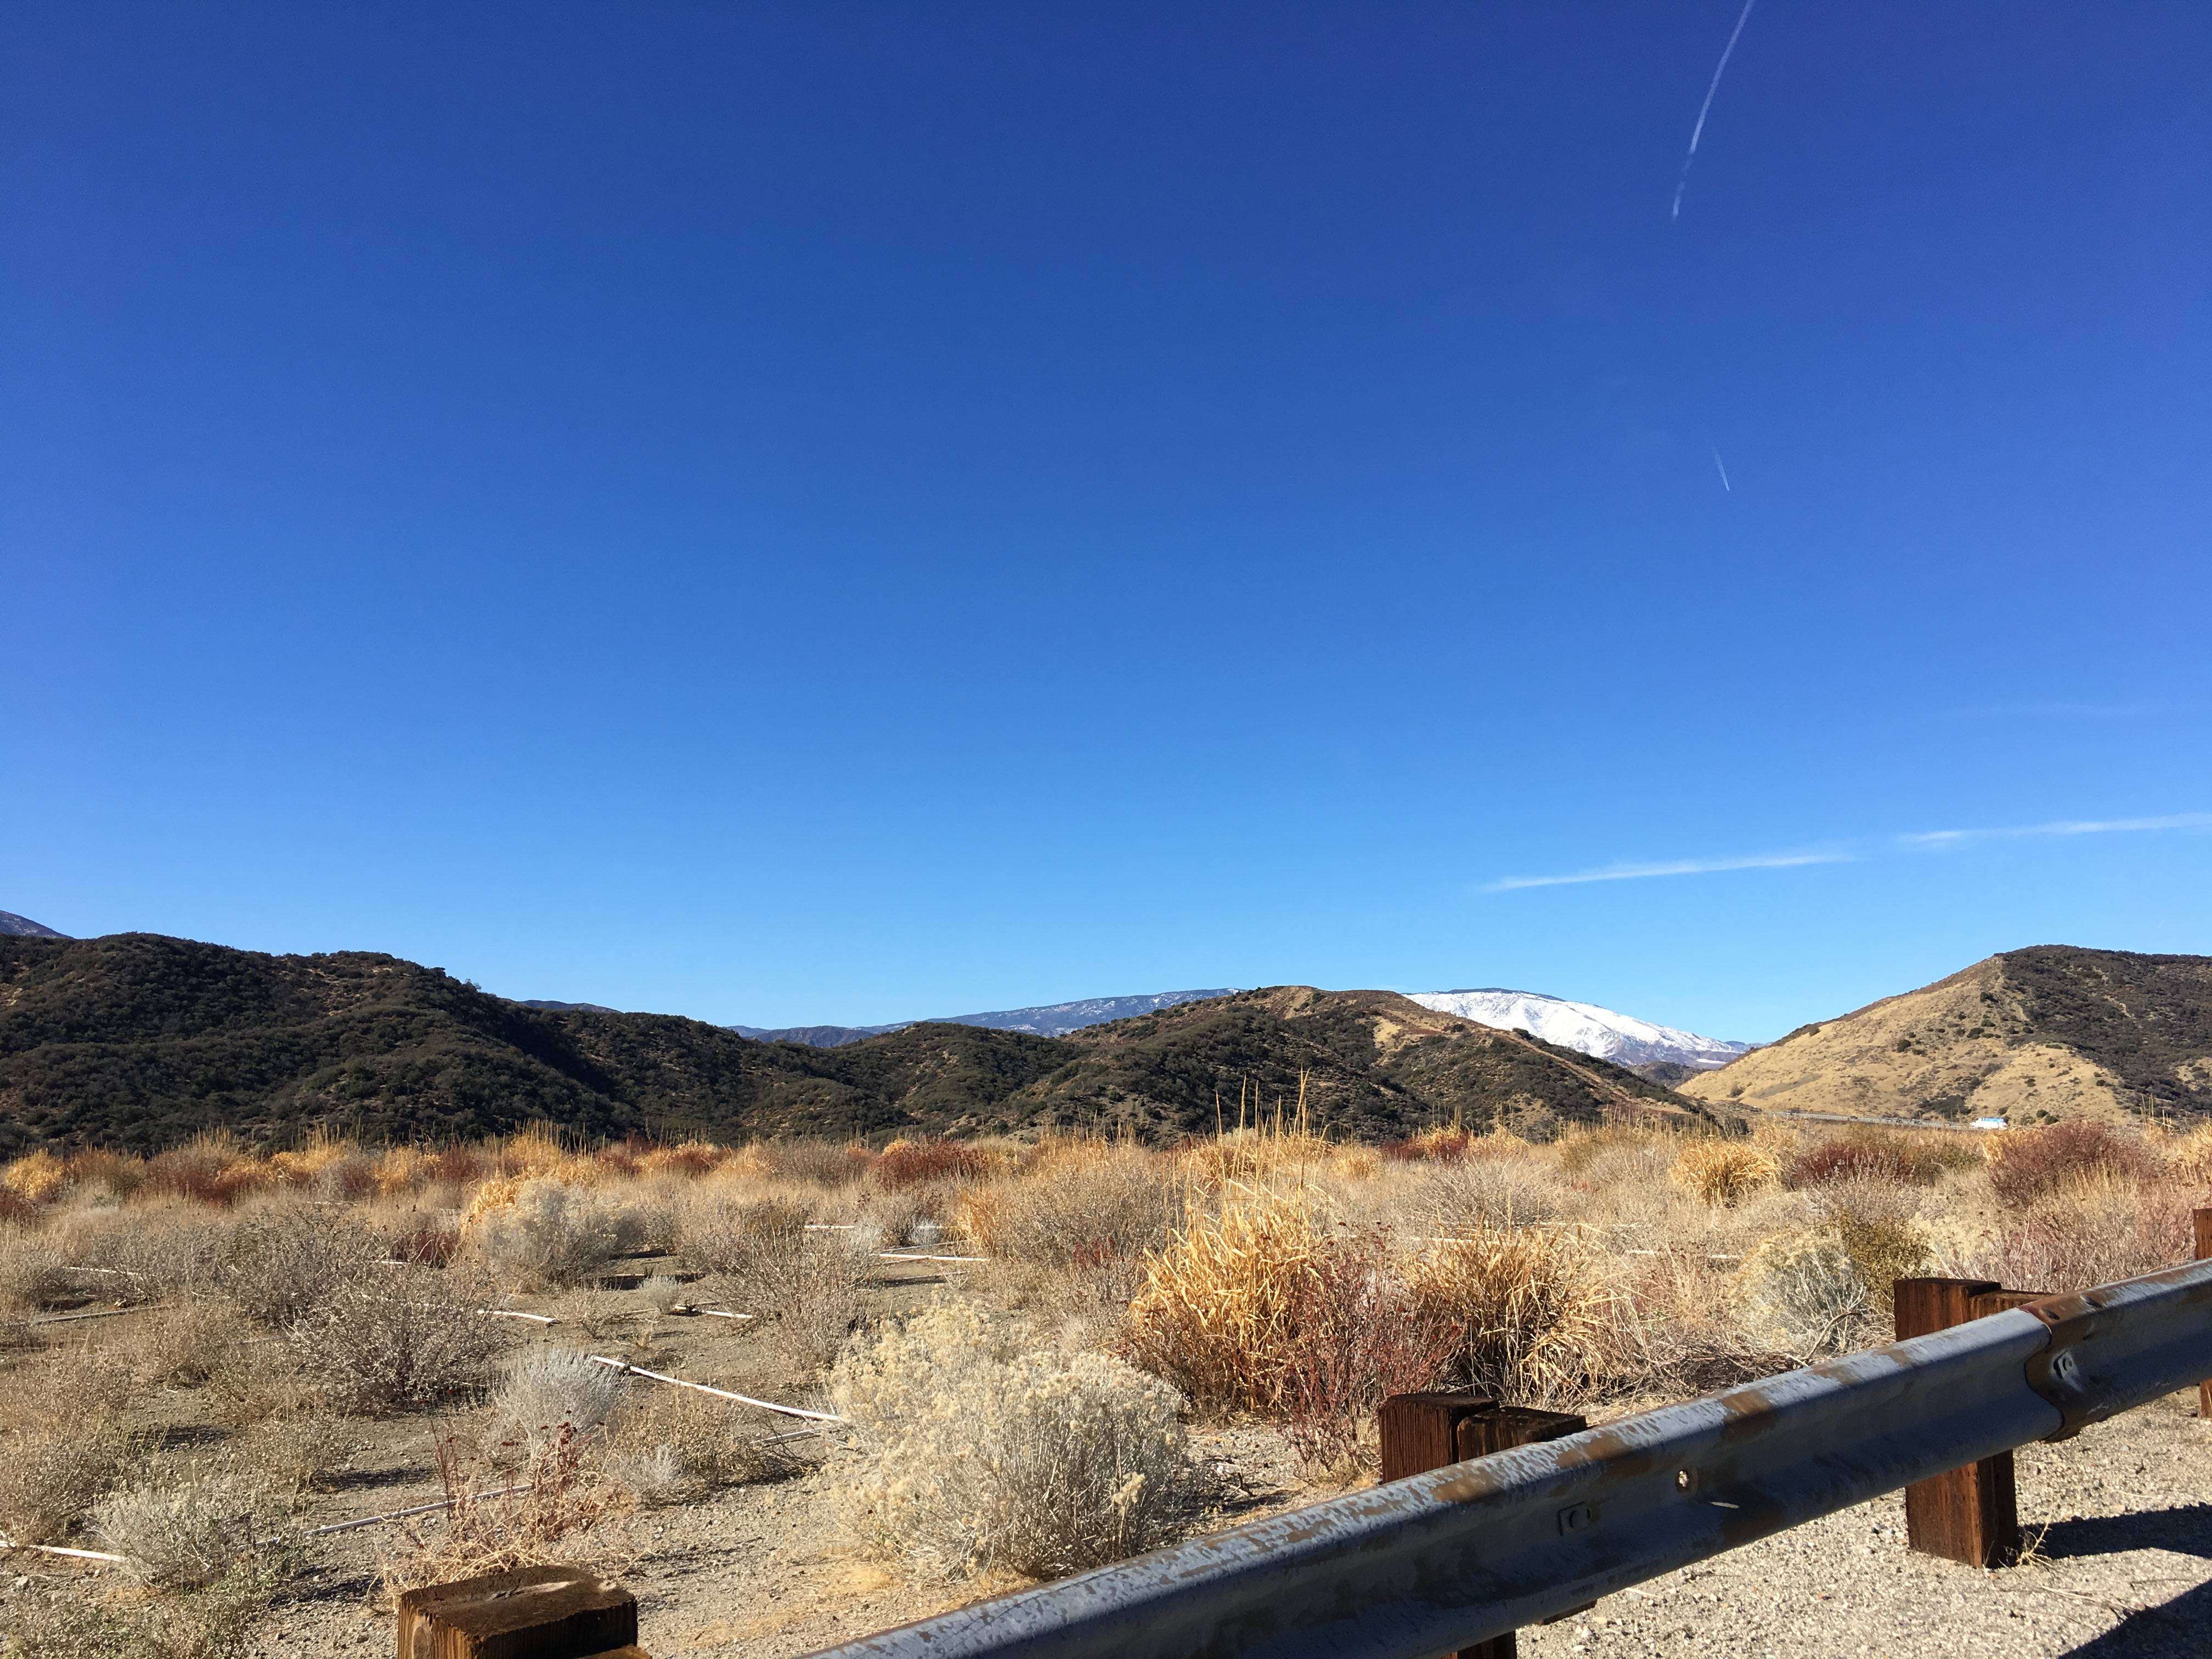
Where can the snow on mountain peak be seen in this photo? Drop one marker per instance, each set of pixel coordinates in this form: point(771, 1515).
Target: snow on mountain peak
point(1583, 1026)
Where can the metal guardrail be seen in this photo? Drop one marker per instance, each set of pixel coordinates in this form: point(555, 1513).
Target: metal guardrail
point(1420, 1567)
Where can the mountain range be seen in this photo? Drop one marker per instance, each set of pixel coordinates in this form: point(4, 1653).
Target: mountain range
point(15, 927)
point(139, 1041)
point(1052, 1019)
point(2031, 1035)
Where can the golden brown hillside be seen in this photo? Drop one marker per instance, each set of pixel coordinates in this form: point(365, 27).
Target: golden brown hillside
point(2030, 1036)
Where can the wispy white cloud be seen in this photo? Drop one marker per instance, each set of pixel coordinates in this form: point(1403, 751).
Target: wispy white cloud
point(1674, 867)
point(1854, 851)
point(2061, 827)
point(2057, 710)
point(1682, 183)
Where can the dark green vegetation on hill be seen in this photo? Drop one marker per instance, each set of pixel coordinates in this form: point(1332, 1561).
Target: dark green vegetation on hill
point(139, 1042)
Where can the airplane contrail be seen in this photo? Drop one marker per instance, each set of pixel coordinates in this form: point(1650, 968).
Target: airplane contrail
point(1725, 484)
point(1705, 109)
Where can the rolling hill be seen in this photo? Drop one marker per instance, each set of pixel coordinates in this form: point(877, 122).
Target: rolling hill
point(2033, 1035)
point(140, 1041)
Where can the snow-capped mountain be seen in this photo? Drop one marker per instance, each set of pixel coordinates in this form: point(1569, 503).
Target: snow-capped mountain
point(1586, 1027)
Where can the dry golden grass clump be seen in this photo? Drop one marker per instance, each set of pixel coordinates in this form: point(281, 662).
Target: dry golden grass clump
point(1219, 1314)
point(1723, 1172)
point(973, 1446)
point(1528, 1311)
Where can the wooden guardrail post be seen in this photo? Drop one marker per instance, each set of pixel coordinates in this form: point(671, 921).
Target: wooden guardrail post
point(530, 1613)
point(2204, 1220)
point(1433, 1430)
point(1971, 1514)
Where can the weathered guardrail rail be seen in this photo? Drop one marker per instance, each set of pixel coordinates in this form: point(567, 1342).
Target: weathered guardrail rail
point(1423, 1566)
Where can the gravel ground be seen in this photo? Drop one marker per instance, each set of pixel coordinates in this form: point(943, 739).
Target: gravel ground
point(2119, 1520)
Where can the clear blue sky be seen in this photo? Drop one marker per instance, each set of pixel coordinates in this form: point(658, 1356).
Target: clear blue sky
point(840, 511)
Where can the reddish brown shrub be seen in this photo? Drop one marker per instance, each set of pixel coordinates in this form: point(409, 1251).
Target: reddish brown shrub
point(2026, 1164)
point(427, 1245)
point(2096, 1233)
point(1845, 1160)
point(1444, 1144)
point(13, 1206)
point(911, 1163)
point(1362, 1339)
point(209, 1170)
point(457, 1166)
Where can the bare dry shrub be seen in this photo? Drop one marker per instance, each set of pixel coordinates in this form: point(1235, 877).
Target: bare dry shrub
point(1826, 1287)
point(806, 1290)
point(719, 1231)
point(282, 1258)
point(547, 1389)
point(1082, 1207)
point(486, 1529)
point(1723, 1173)
point(214, 1167)
point(2026, 1164)
point(257, 1379)
point(297, 1453)
point(1579, 1149)
point(671, 1445)
point(549, 1232)
point(972, 1447)
point(188, 1529)
point(405, 1337)
point(2093, 1231)
point(33, 1274)
point(1896, 1155)
point(183, 1346)
point(64, 1442)
point(105, 1174)
point(598, 1316)
point(1442, 1199)
point(215, 1622)
point(820, 1162)
point(160, 1248)
point(1676, 1330)
point(1528, 1310)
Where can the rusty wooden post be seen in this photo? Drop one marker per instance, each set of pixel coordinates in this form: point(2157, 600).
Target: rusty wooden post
point(1971, 1514)
point(1425, 1431)
point(530, 1613)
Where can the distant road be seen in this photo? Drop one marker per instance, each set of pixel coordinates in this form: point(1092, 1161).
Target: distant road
point(1842, 1117)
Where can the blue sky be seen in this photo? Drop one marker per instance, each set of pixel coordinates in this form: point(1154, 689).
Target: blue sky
point(843, 512)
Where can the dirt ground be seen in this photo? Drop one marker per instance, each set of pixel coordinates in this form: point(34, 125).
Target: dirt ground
point(2121, 1559)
